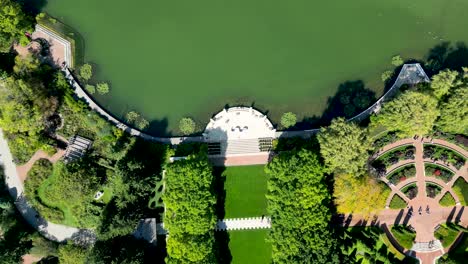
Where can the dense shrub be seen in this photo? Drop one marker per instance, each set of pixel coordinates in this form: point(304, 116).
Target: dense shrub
point(460, 187)
point(186, 126)
point(432, 190)
point(86, 71)
point(402, 174)
point(446, 155)
point(288, 119)
point(392, 157)
point(411, 190)
point(439, 172)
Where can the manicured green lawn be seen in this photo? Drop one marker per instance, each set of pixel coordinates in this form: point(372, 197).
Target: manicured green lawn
point(460, 187)
point(404, 236)
point(245, 187)
point(458, 254)
point(249, 246)
point(447, 200)
point(397, 202)
point(446, 234)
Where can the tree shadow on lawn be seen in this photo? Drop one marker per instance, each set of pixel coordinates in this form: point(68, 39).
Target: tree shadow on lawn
point(221, 248)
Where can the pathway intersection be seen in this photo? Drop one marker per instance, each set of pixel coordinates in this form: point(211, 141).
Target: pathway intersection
point(426, 247)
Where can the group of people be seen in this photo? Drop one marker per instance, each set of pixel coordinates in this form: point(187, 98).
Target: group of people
point(410, 210)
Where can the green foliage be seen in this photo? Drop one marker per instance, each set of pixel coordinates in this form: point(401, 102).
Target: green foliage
point(403, 235)
point(443, 82)
point(91, 89)
point(102, 88)
point(401, 174)
point(433, 170)
point(86, 71)
point(364, 196)
point(454, 112)
point(13, 24)
point(190, 217)
point(397, 60)
point(132, 116)
point(386, 75)
point(186, 125)
point(397, 202)
point(447, 233)
point(288, 119)
point(42, 246)
point(71, 189)
point(14, 232)
point(298, 203)
point(142, 123)
point(447, 200)
point(344, 147)
point(460, 187)
point(71, 254)
point(411, 113)
point(366, 245)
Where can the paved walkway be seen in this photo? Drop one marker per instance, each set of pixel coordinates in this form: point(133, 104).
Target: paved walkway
point(23, 170)
point(425, 222)
point(50, 230)
point(243, 223)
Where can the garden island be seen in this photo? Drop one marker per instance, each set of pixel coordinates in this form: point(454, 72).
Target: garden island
point(213, 147)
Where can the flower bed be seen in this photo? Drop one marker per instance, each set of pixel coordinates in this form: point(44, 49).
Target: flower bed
point(443, 154)
point(432, 189)
point(410, 190)
point(393, 156)
point(437, 171)
point(402, 174)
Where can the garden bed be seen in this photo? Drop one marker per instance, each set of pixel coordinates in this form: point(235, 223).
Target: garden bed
point(433, 170)
point(401, 174)
point(447, 233)
point(443, 154)
point(404, 235)
point(397, 202)
point(410, 190)
point(432, 189)
point(395, 155)
point(447, 200)
point(460, 187)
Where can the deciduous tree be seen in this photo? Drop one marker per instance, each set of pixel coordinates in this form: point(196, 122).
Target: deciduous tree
point(454, 113)
point(443, 82)
point(298, 203)
point(412, 113)
point(14, 23)
point(344, 147)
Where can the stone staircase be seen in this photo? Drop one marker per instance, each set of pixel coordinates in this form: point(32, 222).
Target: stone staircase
point(427, 246)
point(240, 146)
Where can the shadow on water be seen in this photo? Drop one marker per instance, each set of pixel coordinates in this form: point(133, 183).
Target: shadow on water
point(351, 98)
point(159, 127)
point(32, 7)
point(447, 55)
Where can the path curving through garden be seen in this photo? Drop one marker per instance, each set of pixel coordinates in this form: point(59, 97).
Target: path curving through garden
point(426, 247)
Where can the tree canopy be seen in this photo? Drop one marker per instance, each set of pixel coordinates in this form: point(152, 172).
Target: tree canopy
point(364, 196)
point(298, 203)
point(14, 23)
point(288, 119)
point(443, 82)
point(190, 217)
point(454, 112)
point(344, 147)
point(411, 113)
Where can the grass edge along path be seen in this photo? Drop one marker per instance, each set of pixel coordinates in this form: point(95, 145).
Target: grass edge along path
point(249, 246)
point(397, 202)
point(447, 200)
point(403, 235)
point(460, 188)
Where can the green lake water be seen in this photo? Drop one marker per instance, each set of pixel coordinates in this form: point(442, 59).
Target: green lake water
point(172, 58)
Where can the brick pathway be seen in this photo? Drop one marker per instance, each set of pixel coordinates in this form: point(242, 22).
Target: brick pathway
point(23, 170)
point(426, 222)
